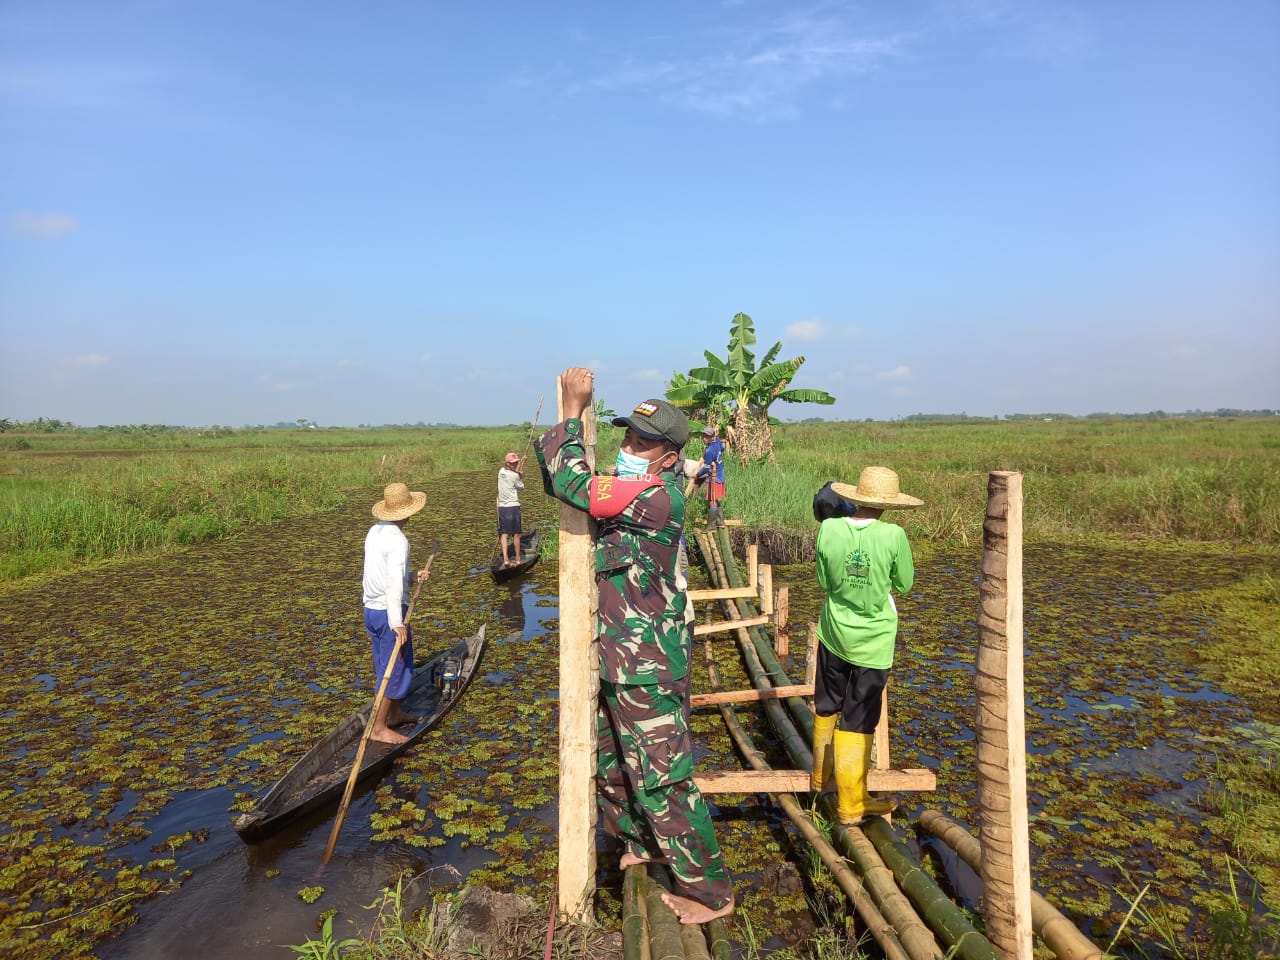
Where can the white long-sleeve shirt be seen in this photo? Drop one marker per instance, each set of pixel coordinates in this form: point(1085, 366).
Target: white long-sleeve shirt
point(386, 570)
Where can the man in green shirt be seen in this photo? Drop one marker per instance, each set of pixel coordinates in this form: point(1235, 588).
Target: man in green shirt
point(861, 559)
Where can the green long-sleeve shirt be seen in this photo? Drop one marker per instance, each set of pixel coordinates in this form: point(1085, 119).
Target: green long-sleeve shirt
point(859, 562)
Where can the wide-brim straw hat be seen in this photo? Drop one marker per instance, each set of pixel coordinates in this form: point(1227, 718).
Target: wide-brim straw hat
point(878, 488)
point(398, 502)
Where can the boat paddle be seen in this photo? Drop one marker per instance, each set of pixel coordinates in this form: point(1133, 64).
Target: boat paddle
point(373, 711)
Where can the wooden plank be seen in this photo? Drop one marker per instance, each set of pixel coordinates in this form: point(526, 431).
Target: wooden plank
point(723, 593)
point(766, 589)
point(579, 685)
point(919, 780)
point(702, 629)
point(751, 696)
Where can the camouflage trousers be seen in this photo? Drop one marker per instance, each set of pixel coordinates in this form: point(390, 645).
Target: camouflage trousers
point(644, 778)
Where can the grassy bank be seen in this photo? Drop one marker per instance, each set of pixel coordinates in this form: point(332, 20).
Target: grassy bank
point(1211, 480)
point(84, 496)
point(77, 498)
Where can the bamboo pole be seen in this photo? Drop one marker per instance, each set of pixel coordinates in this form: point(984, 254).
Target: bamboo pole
point(579, 686)
point(665, 939)
point(938, 910)
point(694, 942)
point(1001, 734)
point(1059, 934)
point(915, 935)
point(718, 934)
point(635, 926)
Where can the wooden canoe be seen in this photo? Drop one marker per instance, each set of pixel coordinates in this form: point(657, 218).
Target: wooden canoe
point(530, 551)
point(320, 777)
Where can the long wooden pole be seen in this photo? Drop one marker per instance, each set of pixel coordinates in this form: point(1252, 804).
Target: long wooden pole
point(579, 687)
point(373, 713)
point(1001, 733)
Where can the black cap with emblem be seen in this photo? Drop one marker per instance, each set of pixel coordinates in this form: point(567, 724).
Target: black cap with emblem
point(657, 420)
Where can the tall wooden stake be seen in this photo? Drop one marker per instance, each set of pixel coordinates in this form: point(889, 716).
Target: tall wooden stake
point(579, 685)
point(1002, 738)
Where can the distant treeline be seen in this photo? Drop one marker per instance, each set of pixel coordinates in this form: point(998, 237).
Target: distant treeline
point(46, 425)
point(1149, 415)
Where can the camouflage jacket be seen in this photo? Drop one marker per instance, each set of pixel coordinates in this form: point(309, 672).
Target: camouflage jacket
point(644, 635)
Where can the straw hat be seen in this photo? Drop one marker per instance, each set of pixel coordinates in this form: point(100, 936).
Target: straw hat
point(512, 457)
point(878, 488)
point(398, 502)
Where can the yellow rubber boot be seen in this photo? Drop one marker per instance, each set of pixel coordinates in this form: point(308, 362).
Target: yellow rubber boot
point(852, 761)
point(822, 777)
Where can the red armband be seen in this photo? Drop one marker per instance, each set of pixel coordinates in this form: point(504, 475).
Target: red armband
point(609, 496)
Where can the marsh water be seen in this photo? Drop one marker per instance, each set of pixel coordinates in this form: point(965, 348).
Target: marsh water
point(146, 703)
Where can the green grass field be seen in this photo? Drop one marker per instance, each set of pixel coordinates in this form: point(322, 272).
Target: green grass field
point(84, 496)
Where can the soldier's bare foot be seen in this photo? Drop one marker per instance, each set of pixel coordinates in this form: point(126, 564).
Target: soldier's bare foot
point(629, 859)
point(387, 736)
point(691, 911)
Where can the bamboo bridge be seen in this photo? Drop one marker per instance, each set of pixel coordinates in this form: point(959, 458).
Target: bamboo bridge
point(896, 901)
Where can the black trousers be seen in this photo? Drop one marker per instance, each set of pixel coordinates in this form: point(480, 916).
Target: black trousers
point(854, 692)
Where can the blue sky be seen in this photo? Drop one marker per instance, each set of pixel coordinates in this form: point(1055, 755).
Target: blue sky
point(236, 213)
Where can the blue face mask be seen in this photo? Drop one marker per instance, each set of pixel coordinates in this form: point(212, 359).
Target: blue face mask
point(629, 465)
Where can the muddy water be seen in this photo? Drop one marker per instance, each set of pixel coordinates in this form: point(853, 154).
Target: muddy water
point(143, 705)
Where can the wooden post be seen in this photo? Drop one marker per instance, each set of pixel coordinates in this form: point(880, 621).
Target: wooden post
point(781, 639)
point(1002, 740)
point(811, 667)
point(882, 732)
point(579, 685)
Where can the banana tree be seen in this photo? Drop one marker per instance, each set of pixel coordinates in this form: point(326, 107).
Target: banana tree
point(734, 392)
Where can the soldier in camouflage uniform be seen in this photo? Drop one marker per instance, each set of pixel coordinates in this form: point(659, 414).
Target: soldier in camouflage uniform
point(644, 767)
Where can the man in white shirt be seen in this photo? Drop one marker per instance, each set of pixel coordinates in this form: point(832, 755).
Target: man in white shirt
point(387, 576)
point(510, 483)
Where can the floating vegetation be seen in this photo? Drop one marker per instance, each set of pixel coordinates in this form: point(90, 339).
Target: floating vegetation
point(143, 705)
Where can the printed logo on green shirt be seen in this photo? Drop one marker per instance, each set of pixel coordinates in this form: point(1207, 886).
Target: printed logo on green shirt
point(857, 566)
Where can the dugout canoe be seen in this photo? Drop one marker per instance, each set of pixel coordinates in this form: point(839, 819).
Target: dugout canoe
point(530, 551)
point(320, 777)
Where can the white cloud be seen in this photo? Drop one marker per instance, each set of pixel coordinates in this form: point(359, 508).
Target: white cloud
point(89, 360)
point(424, 358)
point(285, 386)
point(756, 70)
point(43, 224)
point(806, 330)
point(900, 372)
point(345, 362)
